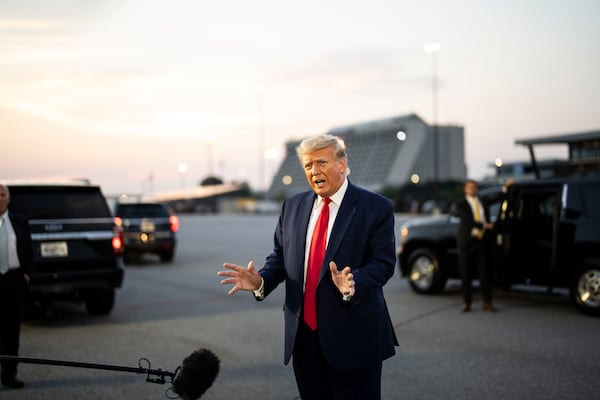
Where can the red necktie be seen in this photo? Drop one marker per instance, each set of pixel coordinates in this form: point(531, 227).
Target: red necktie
point(316, 255)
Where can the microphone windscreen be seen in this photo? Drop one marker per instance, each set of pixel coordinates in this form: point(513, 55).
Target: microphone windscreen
point(198, 372)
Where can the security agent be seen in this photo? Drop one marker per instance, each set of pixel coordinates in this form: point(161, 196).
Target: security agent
point(15, 263)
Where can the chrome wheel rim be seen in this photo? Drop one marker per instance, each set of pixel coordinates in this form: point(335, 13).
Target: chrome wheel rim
point(422, 272)
point(588, 288)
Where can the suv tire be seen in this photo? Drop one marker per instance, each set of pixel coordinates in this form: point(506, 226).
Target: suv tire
point(585, 289)
point(425, 275)
point(167, 256)
point(99, 302)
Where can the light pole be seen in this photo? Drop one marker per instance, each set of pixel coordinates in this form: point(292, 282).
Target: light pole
point(270, 156)
point(433, 49)
point(210, 143)
point(150, 182)
point(261, 136)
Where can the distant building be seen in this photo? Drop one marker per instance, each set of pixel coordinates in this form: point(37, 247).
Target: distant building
point(385, 153)
point(583, 157)
point(524, 169)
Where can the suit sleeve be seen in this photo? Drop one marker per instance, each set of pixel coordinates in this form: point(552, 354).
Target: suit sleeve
point(379, 261)
point(273, 272)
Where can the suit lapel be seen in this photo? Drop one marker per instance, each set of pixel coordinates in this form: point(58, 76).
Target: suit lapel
point(342, 221)
point(301, 228)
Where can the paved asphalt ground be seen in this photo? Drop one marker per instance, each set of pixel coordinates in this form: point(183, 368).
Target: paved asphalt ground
point(537, 347)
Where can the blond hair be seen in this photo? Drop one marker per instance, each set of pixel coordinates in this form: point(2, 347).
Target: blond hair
point(321, 142)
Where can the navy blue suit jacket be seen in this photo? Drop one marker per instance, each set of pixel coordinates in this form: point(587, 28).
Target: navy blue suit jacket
point(352, 334)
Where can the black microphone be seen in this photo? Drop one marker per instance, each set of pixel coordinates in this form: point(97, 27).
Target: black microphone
point(196, 374)
point(189, 381)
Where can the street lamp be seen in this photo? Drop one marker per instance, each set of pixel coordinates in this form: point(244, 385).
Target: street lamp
point(183, 169)
point(433, 49)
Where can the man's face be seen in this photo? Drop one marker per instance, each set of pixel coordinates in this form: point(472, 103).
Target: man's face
point(471, 189)
point(4, 198)
point(324, 171)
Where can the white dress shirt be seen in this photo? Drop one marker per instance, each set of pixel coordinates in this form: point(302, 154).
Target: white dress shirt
point(334, 206)
point(13, 257)
point(472, 201)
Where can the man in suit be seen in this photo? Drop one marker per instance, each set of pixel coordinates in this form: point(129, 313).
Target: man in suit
point(337, 326)
point(15, 263)
point(472, 245)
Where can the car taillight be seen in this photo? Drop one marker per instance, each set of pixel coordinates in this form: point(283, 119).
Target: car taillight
point(174, 221)
point(117, 240)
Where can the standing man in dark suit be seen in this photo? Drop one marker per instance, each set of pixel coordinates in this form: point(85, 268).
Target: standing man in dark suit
point(472, 248)
point(337, 326)
point(15, 263)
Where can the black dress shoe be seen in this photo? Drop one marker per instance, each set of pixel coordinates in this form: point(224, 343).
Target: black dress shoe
point(12, 382)
point(488, 307)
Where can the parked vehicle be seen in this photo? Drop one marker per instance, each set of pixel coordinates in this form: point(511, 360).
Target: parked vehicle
point(546, 233)
point(147, 228)
point(77, 247)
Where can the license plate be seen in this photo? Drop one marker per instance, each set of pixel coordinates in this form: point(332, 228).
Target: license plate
point(147, 225)
point(54, 249)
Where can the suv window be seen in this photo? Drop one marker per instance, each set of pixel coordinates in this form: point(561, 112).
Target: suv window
point(492, 200)
point(535, 217)
point(591, 194)
point(65, 202)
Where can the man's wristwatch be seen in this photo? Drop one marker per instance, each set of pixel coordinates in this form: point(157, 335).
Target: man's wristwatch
point(346, 297)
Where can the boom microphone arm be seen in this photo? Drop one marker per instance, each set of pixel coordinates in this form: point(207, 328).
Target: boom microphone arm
point(139, 370)
point(189, 381)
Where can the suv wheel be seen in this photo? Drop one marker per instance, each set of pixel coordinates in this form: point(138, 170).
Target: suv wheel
point(99, 302)
point(167, 255)
point(585, 290)
point(425, 275)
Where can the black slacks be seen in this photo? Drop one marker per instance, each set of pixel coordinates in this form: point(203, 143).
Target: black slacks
point(317, 380)
point(13, 291)
point(472, 259)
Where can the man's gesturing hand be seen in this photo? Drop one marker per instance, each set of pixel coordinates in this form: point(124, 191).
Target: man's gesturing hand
point(241, 278)
point(344, 280)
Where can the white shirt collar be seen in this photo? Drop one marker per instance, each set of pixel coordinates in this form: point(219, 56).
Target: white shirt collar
point(338, 196)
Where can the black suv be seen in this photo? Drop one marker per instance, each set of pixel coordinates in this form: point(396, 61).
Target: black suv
point(546, 232)
point(147, 228)
point(77, 247)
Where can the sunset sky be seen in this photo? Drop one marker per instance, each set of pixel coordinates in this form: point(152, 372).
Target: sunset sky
point(122, 92)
